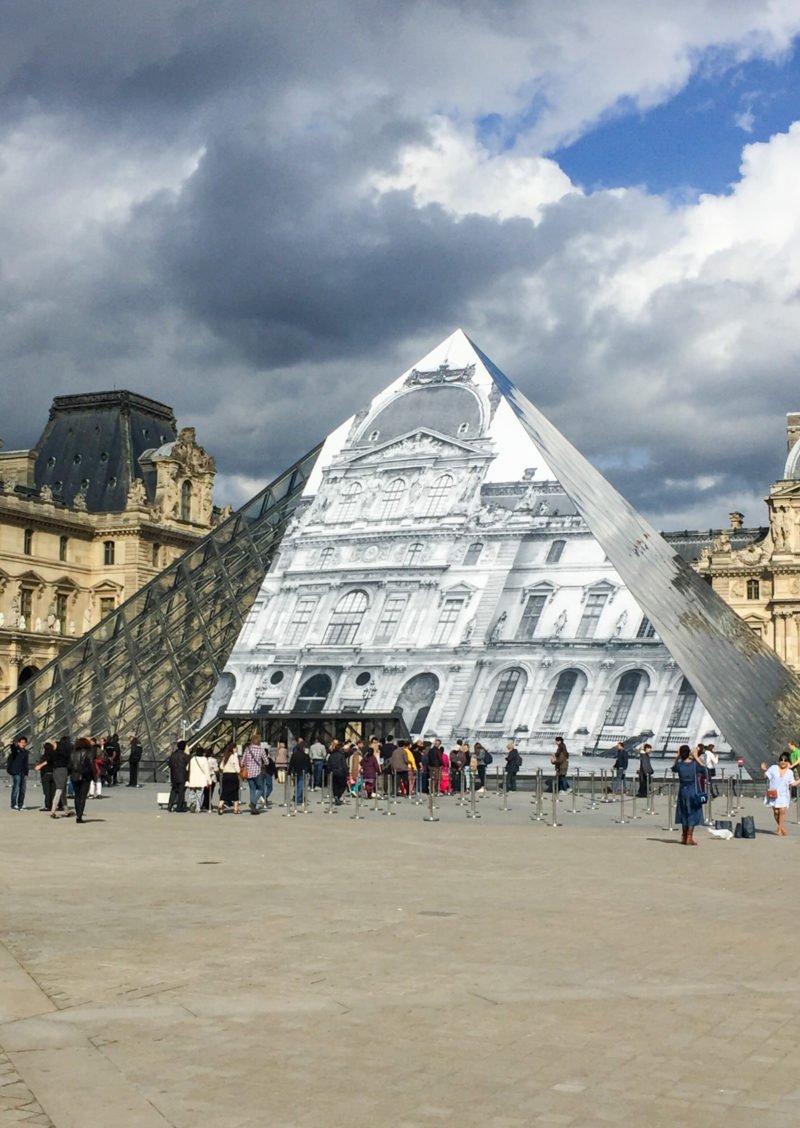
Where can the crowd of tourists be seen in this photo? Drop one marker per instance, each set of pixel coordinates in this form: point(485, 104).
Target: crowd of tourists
point(67, 770)
point(201, 778)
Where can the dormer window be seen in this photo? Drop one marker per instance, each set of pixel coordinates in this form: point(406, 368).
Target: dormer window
point(463, 428)
point(374, 436)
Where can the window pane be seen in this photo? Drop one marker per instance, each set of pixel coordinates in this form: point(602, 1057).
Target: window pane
point(623, 699)
point(393, 498)
point(502, 697)
point(303, 611)
point(449, 615)
point(556, 549)
point(439, 496)
point(561, 695)
point(531, 616)
point(473, 553)
point(595, 603)
point(346, 619)
point(390, 617)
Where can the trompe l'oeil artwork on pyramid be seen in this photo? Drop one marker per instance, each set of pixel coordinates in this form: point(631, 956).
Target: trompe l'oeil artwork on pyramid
point(456, 560)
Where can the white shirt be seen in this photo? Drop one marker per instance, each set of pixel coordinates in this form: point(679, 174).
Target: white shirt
point(781, 782)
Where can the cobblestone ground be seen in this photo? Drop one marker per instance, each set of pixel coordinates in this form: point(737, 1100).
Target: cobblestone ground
point(321, 970)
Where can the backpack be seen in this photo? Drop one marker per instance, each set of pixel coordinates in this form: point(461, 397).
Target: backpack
point(81, 763)
point(488, 758)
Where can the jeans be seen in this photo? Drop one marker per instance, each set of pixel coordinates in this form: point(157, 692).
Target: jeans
point(177, 797)
point(81, 789)
point(18, 785)
point(196, 796)
point(133, 773)
point(298, 783)
point(269, 783)
point(319, 772)
point(511, 781)
point(618, 783)
point(256, 785)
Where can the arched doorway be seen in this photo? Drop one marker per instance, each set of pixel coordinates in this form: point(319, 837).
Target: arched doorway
point(415, 700)
point(313, 694)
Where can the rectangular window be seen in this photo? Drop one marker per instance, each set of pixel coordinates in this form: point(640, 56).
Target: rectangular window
point(156, 555)
point(392, 611)
point(107, 605)
point(646, 629)
point(534, 607)
point(26, 606)
point(451, 610)
point(62, 547)
point(109, 552)
point(61, 611)
point(27, 542)
point(300, 620)
point(587, 627)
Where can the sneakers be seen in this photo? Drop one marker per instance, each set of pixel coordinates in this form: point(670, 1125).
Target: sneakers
point(261, 804)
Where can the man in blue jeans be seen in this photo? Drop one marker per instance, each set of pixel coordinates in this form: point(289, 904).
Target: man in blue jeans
point(17, 767)
point(254, 765)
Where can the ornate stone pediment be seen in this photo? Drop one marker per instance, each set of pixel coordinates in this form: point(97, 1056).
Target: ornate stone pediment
point(424, 443)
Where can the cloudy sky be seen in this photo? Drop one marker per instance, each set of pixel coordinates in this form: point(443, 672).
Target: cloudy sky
point(262, 212)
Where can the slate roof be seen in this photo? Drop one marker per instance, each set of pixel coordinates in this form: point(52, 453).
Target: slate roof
point(92, 444)
point(691, 542)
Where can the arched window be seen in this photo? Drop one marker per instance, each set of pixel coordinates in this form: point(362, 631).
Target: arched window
point(313, 694)
point(502, 696)
point(684, 705)
point(349, 501)
point(560, 698)
point(326, 557)
point(438, 496)
point(392, 497)
point(473, 553)
point(556, 550)
point(186, 501)
point(414, 554)
point(346, 619)
point(753, 589)
point(623, 698)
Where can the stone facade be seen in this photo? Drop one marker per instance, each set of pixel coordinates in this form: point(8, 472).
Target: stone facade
point(760, 579)
point(65, 561)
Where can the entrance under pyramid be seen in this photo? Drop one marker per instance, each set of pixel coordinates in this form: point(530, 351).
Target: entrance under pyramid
point(436, 569)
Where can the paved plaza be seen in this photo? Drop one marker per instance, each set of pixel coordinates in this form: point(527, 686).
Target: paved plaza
point(318, 971)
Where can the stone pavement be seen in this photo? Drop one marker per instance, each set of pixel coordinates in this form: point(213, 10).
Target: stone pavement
point(191, 970)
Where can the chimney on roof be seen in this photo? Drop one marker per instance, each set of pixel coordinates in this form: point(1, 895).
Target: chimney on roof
point(736, 520)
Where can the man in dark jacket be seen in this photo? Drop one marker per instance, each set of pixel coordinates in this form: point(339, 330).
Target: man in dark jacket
point(513, 764)
point(17, 767)
point(134, 756)
point(620, 767)
point(299, 767)
point(337, 766)
point(178, 767)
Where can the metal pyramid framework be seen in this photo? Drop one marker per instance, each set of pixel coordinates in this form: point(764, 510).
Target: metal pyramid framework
point(751, 696)
point(150, 666)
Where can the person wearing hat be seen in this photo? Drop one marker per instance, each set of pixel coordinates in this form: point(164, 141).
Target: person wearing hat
point(178, 769)
point(17, 767)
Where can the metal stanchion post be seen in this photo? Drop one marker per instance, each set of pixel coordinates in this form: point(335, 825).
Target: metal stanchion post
point(473, 812)
point(431, 817)
point(505, 806)
point(392, 805)
point(622, 820)
point(669, 806)
point(328, 785)
point(554, 821)
point(593, 802)
point(633, 804)
point(648, 786)
point(709, 811)
point(292, 806)
point(305, 809)
point(358, 814)
point(418, 800)
point(375, 807)
point(576, 780)
point(285, 802)
point(462, 792)
point(537, 816)
point(604, 786)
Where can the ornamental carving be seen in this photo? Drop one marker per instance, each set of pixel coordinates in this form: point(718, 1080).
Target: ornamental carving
point(442, 375)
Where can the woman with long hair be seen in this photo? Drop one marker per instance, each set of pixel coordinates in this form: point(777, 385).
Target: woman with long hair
point(229, 768)
point(689, 808)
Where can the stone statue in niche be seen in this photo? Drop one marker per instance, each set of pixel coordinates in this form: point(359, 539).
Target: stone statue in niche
point(619, 626)
point(46, 494)
point(497, 629)
point(560, 624)
point(137, 495)
point(469, 630)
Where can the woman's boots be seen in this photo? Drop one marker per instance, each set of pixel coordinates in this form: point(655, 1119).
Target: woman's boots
point(687, 836)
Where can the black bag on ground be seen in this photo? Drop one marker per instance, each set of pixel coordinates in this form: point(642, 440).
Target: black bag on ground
point(737, 831)
point(723, 824)
point(748, 826)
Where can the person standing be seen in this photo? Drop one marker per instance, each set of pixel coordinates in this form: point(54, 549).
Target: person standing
point(513, 764)
point(61, 762)
point(435, 765)
point(780, 781)
point(688, 809)
point(281, 761)
point(45, 768)
point(318, 754)
point(388, 748)
point(213, 771)
point(254, 761)
point(337, 766)
point(100, 768)
point(82, 768)
point(560, 761)
point(399, 765)
point(299, 768)
point(17, 767)
point(229, 768)
point(177, 777)
point(711, 759)
point(114, 758)
point(199, 778)
point(457, 761)
point(134, 758)
point(369, 771)
point(620, 767)
point(645, 772)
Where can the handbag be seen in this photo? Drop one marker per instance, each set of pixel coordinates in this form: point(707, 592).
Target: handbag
point(772, 793)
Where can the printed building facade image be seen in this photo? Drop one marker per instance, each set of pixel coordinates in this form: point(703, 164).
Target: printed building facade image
point(436, 567)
